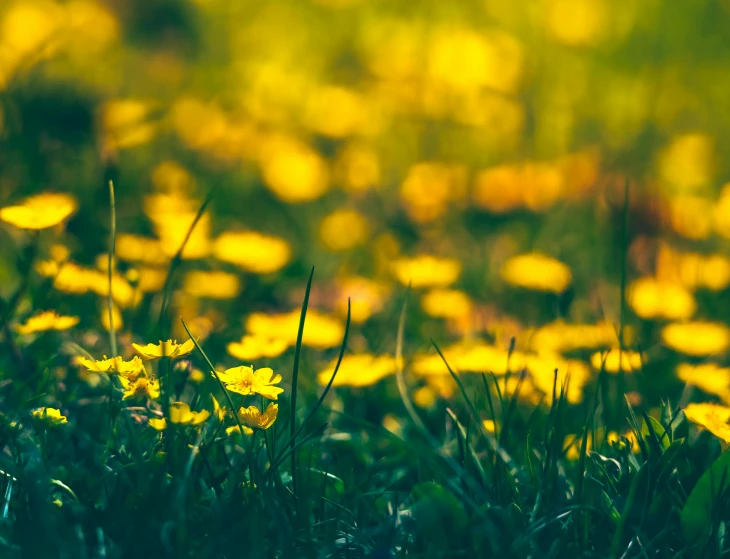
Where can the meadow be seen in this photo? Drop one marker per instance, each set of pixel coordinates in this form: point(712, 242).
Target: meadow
point(354, 278)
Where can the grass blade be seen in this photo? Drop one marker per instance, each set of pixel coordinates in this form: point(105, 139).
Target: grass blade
point(295, 382)
point(110, 269)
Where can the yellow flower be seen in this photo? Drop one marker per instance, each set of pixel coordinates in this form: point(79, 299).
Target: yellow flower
point(214, 284)
point(135, 248)
point(47, 320)
point(218, 411)
point(446, 303)
point(159, 423)
point(536, 271)
point(630, 360)
point(256, 347)
point(51, 417)
point(698, 338)
point(426, 271)
point(358, 370)
point(320, 331)
point(712, 417)
point(654, 298)
point(181, 414)
point(40, 212)
point(343, 229)
point(366, 297)
point(130, 369)
point(234, 430)
point(169, 348)
point(294, 171)
point(243, 380)
point(252, 251)
point(141, 387)
point(489, 425)
point(708, 377)
point(561, 337)
point(252, 416)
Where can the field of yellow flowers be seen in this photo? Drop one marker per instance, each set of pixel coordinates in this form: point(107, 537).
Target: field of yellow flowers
point(359, 278)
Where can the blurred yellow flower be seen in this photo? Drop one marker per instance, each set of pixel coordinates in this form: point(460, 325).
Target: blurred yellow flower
point(708, 377)
point(446, 303)
point(426, 271)
point(425, 397)
point(692, 269)
point(577, 22)
point(181, 414)
point(687, 164)
point(124, 123)
point(170, 177)
point(691, 216)
point(652, 298)
point(463, 59)
point(721, 212)
point(172, 215)
point(429, 187)
point(536, 271)
point(158, 423)
point(116, 317)
point(136, 248)
point(29, 27)
point(218, 411)
point(252, 416)
point(251, 348)
point(562, 337)
point(489, 425)
point(200, 125)
point(698, 338)
point(243, 380)
point(468, 356)
point(712, 417)
point(534, 185)
point(47, 320)
point(357, 168)
point(542, 368)
point(214, 284)
point(366, 297)
point(252, 251)
point(609, 361)
point(343, 229)
point(234, 430)
point(169, 348)
point(140, 387)
point(320, 331)
point(294, 171)
point(336, 112)
point(358, 370)
point(151, 280)
point(40, 211)
point(50, 417)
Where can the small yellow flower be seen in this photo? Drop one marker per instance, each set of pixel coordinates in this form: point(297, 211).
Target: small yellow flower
point(243, 380)
point(698, 338)
point(257, 347)
point(426, 271)
point(181, 414)
point(653, 298)
point(609, 361)
point(536, 271)
point(40, 212)
point(358, 370)
point(252, 251)
point(47, 320)
point(169, 348)
point(234, 430)
point(50, 417)
point(142, 387)
point(708, 377)
point(446, 303)
point(159, 423)
point(712, 417)
point(252, 416)
point(218, 411)
point(130, 369)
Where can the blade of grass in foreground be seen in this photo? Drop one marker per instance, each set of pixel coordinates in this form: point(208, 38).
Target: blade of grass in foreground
point(167, 286)
point(326, 390)
point(295, 382)
point(110, 269)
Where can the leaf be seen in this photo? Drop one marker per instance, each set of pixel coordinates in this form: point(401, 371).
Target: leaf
point(696, 516)
point(662, 436)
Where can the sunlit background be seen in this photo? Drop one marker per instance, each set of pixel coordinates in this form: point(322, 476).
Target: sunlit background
point(478, 151)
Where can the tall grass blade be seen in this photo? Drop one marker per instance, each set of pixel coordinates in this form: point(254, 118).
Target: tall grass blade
point(110, 269)
point(295, 383)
